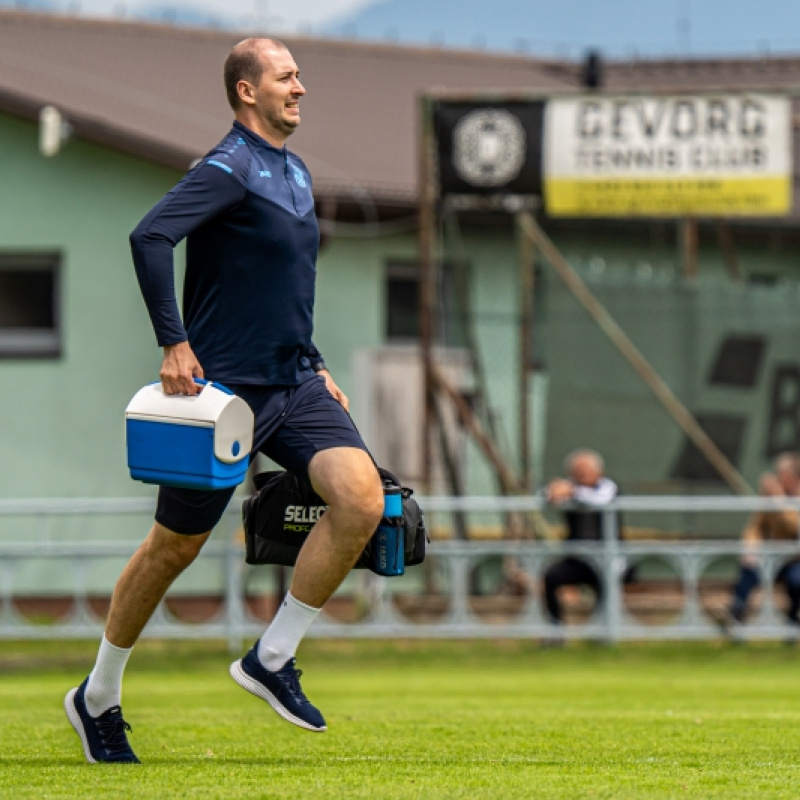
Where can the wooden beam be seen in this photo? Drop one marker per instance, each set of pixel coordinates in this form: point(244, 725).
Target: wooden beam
point(728, 247)
point(657, 385)
point(427, 281)
point(688, 237)
point(527, 254)
point(506, 475)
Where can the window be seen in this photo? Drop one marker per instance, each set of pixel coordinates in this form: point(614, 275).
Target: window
point(29, 305)
point(402, 305)
point(402, 301)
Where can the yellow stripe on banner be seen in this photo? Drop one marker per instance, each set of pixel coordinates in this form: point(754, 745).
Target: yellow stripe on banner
point(665, 197)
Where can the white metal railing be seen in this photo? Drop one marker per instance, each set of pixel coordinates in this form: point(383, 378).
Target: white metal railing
point(434, 600)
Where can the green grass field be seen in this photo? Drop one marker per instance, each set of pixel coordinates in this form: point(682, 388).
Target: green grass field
point(421, 720)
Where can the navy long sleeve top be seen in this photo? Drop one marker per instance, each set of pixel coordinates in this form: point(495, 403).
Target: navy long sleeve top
point(247, 212)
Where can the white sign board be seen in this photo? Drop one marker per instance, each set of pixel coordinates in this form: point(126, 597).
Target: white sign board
point(719, 155)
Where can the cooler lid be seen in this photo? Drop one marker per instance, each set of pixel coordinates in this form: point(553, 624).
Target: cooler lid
point(233, 431)
point(219, 408)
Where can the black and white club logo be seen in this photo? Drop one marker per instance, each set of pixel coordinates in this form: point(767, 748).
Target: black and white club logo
point(488, 147)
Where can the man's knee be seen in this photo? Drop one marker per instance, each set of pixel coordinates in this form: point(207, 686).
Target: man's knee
point(347, 480)
point(362, 506)
point(175, 550)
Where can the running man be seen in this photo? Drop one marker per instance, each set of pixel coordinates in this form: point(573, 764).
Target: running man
point(247, 212)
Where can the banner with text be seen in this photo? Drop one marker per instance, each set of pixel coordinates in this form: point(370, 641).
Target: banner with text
point(685, 155)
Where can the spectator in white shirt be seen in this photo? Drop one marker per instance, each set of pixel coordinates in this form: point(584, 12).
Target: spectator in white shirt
point(586, 491)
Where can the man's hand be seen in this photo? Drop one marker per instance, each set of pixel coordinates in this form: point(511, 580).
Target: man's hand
point(179, 369)
point(559, 491)
point(770, 486)
point(334, 389)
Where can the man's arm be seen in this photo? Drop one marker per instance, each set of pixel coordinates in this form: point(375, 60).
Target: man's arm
point(318, 365)
point(559, 491)
point(315, 358)
point(752, 537)
point(179, 368)
point(596, 496)
point(204, 193)
point(781, 523)
point(334, 389)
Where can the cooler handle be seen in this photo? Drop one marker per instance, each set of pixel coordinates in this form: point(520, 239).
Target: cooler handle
point(204, 382)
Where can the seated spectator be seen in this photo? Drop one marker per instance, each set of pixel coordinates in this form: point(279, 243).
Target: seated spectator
point(589, 490)
point(764, 526)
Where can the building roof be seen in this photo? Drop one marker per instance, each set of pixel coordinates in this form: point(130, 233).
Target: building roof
point(157, 91)
point(701, 74)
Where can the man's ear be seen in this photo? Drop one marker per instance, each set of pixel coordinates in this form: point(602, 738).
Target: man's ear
point(246, 92)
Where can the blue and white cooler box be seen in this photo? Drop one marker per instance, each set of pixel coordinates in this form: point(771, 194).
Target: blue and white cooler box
point(195, 442)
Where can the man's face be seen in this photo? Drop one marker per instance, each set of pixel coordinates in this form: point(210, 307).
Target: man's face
point(277, 96)
point(785, 474)
point(585, 471)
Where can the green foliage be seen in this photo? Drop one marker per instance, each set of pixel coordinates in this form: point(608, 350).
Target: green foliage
point(429, 720)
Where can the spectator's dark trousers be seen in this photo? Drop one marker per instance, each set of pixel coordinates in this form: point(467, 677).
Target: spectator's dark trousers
point(749, 579)
point(568, 572)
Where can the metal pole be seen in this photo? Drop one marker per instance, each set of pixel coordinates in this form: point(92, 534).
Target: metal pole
point(427, 279)
point(234, 596)
point(612, 572)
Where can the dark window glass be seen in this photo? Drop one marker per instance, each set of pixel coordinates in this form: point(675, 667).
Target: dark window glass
point(402, 308)
point(26, 299)
point(402, 305)
point(29, 305)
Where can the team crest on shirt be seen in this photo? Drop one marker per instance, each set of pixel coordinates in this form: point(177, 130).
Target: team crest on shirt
point(299, 178)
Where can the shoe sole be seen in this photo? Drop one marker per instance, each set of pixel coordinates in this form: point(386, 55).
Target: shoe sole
point(75, 720)
point(259, 690)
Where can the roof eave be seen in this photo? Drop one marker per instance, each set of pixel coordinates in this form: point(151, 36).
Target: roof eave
point(101, 132)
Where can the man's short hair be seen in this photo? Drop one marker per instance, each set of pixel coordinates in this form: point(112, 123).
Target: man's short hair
point(584, 452)
point(244, 64)
point(792, 461)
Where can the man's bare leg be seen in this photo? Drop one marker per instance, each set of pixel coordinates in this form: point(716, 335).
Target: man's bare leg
point(153, 568)
point(93, 708)
point(347, 480)
point(140, 588)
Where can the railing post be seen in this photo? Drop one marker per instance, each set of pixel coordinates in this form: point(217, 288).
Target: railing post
point(464, 618)
point(612, 573)
point(234, 596)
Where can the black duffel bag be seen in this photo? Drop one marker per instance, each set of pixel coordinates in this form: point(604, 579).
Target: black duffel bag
point(279, 516)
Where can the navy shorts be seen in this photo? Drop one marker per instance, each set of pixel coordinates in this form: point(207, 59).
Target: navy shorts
point(292, 424)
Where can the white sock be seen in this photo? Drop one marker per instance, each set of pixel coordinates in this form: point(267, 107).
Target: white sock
point(104, 689)
point(281, 640)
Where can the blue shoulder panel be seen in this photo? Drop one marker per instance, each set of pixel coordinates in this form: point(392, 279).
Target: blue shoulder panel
point(231, 155)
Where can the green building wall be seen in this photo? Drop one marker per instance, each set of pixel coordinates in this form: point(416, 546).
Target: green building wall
point(63, 430)
point(64, 434)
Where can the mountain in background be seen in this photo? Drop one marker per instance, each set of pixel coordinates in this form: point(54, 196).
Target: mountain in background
point(32, 5)
point(560, 28)
point(568, 28)
point(183, 13)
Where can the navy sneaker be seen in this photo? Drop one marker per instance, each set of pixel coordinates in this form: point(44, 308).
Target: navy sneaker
point(280, 689)
point(103, 738)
